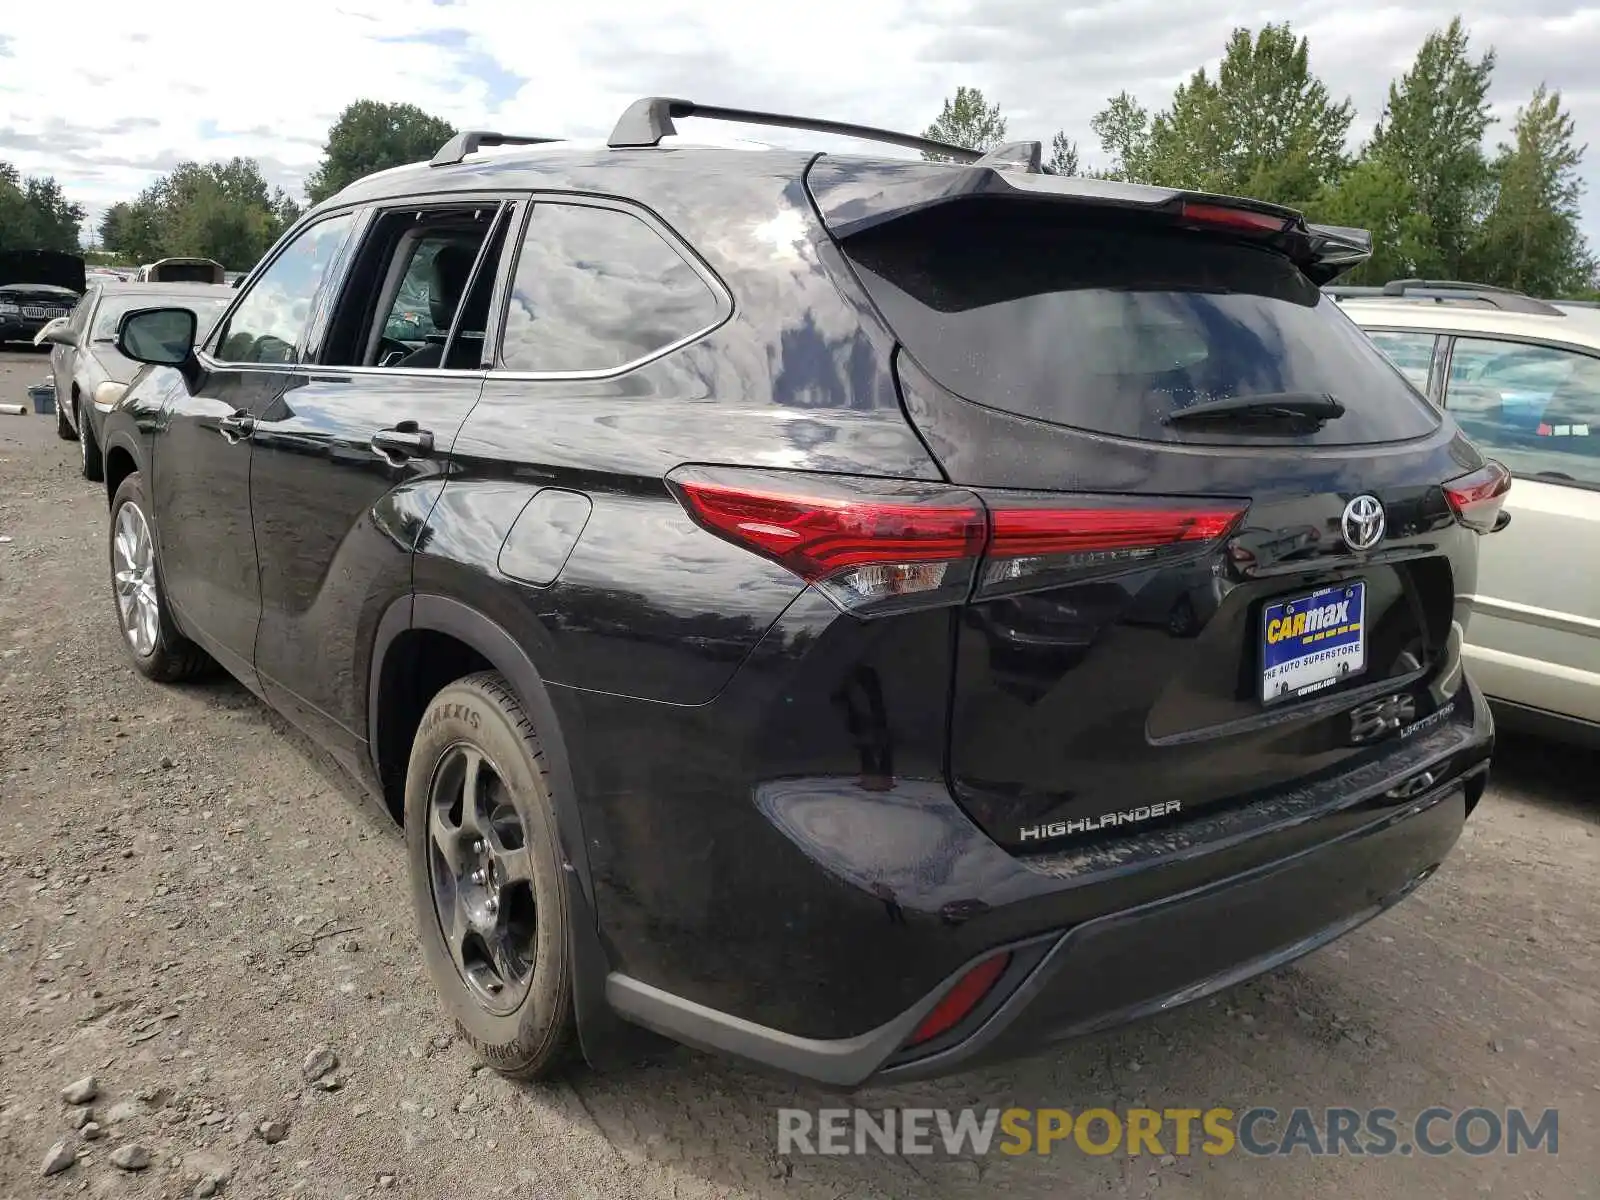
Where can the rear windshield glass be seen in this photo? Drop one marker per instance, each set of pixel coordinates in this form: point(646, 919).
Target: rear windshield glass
point(1110, 326)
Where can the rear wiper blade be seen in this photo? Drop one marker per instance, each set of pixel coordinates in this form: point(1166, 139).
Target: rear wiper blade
point(1302, 406)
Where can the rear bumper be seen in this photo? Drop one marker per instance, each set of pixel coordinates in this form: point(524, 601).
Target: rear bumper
point(1143, 961)
point(1138, 927)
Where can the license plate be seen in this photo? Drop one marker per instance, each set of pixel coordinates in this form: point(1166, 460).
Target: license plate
point(1312, 642)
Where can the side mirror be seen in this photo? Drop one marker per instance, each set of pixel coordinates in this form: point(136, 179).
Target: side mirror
point(163, 337)
point(56, 333)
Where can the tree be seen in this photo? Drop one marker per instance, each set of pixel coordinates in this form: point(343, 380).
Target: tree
point(1373, 196)
point(1431, 133)
point(223, 210)
point(1063, 154)
point(35, 214)
point(967, 119)
point(372, 136)
point(1530, 238)
point(1265, 127)
point(1123, 127)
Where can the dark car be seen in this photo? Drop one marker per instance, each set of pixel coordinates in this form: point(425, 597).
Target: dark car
point(666, 588)
point(36, 287)
point(90, 373)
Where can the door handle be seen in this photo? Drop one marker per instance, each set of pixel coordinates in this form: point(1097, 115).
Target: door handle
point(401, 442)
point(235, 426)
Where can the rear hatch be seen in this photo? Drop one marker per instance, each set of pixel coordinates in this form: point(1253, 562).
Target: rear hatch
point(1222, 557)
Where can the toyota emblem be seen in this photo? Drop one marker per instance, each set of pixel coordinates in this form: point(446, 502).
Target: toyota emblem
point(1362, 523)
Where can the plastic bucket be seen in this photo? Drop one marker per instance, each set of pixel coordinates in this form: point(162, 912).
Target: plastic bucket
point(44, 399)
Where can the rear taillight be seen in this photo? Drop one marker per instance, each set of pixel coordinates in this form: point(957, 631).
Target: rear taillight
point(1241, 220)
point(873, 546)
point(1477, 499)
point(1038, 540)
point(876, 546)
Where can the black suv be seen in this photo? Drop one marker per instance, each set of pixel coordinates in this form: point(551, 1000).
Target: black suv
point(864, 615)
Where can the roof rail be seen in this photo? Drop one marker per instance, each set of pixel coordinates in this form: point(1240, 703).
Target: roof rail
point(649, 120)
point(1441, 290)
point(469, 141)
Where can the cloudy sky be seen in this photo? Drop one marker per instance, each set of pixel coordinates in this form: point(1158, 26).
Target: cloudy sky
point(107, 95)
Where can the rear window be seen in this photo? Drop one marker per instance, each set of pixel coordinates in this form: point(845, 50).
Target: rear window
point(1108, 326)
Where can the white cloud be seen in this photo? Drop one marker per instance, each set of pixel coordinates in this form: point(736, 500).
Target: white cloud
point(107, 96)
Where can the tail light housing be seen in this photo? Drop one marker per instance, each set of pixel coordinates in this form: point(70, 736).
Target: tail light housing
point(1037, 540)
point(878, 546)
point(873, 546)
point(1476, 499)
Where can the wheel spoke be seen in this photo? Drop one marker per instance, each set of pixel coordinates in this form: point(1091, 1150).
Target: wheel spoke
point(472, 789)
point(455, 936)
point(446, 839)
point(514, 866)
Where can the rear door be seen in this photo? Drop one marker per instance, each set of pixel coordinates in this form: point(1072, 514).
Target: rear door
point(1535, 635)
point(1177, 613)
point(348, 462)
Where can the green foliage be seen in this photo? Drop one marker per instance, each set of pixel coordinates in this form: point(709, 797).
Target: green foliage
point(1530, 239)
point(1431, 132)
point(1063, 158)
point(222, 210)
point(1264, 127)
point(35, 214)
point(967, 119)
point(1373, 195)
point(372, 136)
point(1437, 207)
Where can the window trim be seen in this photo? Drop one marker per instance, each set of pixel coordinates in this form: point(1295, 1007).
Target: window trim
point(360, 217)
point(1520, 340)
point(679, 245)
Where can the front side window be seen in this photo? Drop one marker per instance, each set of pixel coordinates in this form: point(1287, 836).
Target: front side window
point(596, 289)
point(1535, 408)
point(270, 323)
point(1411, 352)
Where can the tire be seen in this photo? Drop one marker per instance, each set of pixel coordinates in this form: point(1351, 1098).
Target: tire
point(64, 429)
point(525, 1028)
point(91, 460)
point(169, 657)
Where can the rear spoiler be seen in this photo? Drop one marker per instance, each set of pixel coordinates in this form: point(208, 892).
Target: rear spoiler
point(854, 195)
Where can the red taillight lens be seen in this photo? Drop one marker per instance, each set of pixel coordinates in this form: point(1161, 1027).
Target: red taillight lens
point(1036, 540)
point(871, 545)
point(876, 546)
point(1476, 499)
point(1222, 216)
point(961, 999)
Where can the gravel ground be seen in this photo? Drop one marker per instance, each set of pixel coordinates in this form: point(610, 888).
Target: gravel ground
point(193, 901)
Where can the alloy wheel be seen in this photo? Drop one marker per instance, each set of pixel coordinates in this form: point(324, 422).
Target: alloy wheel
point(481, 875)
point(134, 574)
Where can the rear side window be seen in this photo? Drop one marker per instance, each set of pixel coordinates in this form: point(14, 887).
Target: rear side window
point(1411, 352)
point(596, 289)
point(1108, 325)
point(1535, 408)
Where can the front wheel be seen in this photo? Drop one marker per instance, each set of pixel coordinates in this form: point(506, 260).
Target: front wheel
point(157, 648)
point(487, 885)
